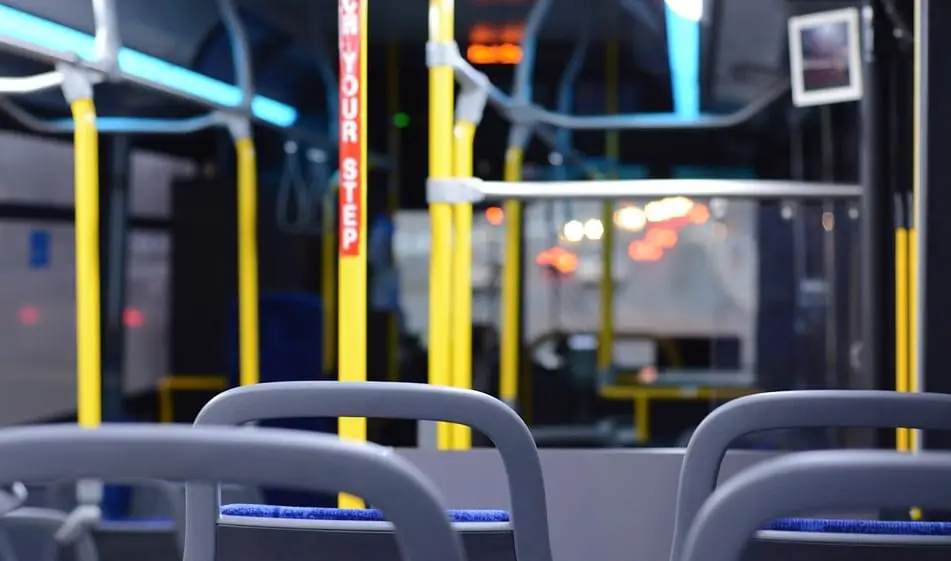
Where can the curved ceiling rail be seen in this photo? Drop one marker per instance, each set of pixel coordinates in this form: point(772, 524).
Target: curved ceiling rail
point(533, 114)
point(529, 118)
point(107, 38)
point(109, 60)
point(240, 52)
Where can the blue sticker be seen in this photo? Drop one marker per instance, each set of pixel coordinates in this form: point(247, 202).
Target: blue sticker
point(39, 249)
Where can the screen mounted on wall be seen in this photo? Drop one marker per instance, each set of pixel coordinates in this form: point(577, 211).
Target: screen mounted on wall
point(825, 57)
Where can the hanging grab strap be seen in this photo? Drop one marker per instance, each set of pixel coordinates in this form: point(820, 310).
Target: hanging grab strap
point(301, 190)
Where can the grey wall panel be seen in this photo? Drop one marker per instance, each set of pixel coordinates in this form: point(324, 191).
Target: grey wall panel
point(40, 171)
point(37, 320)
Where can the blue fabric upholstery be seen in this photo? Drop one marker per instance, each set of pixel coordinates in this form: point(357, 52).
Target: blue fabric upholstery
point(291, 331)
point(367, 515)
point(868, 527)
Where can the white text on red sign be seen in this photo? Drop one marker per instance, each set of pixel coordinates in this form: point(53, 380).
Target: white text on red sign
point(350, 215)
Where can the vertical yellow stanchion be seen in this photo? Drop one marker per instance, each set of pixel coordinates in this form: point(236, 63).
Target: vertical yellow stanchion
point(511, 272)
point(912, 276)
point(88, 328)
point(914, 375)
point(462, 278)
point(351, 219)
point(328, 281)
point(248, 299)
point(394, 149)
point(441, 102)
point(612, 150)
point(902, 325)
point(911, 273)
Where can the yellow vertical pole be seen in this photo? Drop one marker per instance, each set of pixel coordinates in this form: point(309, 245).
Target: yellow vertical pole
point(88, 323)
point(394, 149)
point(441, 102)
point(248, 299)
point(913, 437)
point(902, 435)
point(352, 215)
point(612, 150)
point(914, 375)
point(328, 281)
point(912, 276)
point(510, 347)
point(462, 278)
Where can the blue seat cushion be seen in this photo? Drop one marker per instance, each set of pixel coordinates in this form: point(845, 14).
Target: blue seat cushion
point(868, 527)
point(364, 515)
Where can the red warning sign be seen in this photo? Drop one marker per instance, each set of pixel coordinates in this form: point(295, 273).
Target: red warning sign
point(350, 215)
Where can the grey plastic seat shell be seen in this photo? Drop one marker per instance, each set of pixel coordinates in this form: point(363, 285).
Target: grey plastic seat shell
point(398, 400)
point(796, 409)
point(808, 482)
point(307, 461)
point(47, 522)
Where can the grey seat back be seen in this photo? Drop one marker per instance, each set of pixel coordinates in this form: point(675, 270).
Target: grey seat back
point(811, 481)
point(787, 410)
point(266, 456)
point(30, 534)
point(393, 400)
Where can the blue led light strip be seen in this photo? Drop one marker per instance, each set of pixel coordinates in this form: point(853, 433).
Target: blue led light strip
point(53, 36)
point(683, 53)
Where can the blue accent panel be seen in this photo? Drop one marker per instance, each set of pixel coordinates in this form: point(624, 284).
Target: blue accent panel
point(39, 249)
point(683, 53)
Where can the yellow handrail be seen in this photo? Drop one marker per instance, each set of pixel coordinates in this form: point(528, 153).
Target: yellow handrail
point(902, 434)
point(510, 347)
point(441, 102)
point(352, 217)
point(462, 278)
point(248, 300)
point(88, 321)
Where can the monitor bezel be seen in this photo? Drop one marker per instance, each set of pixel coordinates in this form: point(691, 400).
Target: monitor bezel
point(852, 92)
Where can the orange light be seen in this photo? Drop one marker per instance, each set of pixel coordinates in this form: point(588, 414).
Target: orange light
point(661, 237)
point(562, 260)
point(640, 250)
point(566, 263)
point(699, 214)
point(133, 318)
point(507, 53)
point(549, 256)
point(28, 315)
point(494, 215)
point(480, 54)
